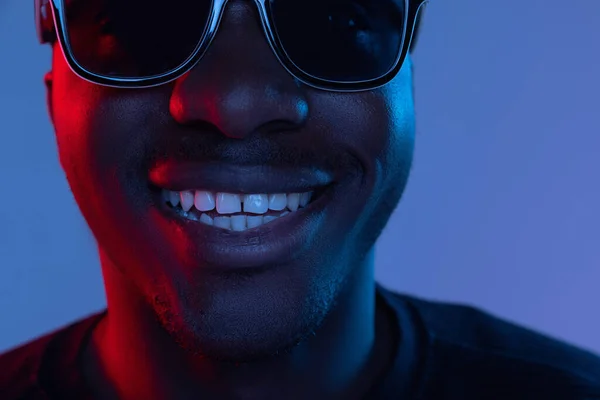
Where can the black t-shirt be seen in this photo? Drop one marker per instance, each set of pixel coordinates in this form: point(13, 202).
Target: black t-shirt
point(444, 351)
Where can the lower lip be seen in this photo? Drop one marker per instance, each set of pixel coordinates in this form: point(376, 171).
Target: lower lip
point(273, 243)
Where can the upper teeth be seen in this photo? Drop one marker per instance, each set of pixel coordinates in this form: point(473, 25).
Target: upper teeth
point(229, 203)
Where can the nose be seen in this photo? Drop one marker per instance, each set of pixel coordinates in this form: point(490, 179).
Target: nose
point(239, 86)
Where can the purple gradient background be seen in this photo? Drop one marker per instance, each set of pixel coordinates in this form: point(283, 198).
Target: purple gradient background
point(501, 210)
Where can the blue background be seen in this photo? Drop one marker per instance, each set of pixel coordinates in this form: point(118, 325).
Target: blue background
point(501, 210)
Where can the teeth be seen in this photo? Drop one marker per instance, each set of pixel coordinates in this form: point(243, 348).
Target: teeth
point(192, 216)
point(253, 221)
point(278, 201)
point(174, 198)
point(204, 201)
point(238, 223)
point(187, 200)
point(205, 218)
point(269, 218)
point(256, 203)
point(223, 222)
point(293, 201)
point(228, 203)
point(305, 198)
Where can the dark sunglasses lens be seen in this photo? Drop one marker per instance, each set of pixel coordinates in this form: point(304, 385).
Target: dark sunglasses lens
point(340, 40)
point(134, 38)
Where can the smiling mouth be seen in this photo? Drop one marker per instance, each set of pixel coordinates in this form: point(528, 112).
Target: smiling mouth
point(236, 212)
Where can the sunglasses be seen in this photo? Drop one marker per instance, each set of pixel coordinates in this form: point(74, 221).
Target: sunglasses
point(337, 45)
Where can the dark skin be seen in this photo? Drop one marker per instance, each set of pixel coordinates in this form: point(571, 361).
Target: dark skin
point(307, 328)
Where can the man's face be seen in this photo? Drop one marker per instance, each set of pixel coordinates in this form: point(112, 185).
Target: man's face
point(229, 294)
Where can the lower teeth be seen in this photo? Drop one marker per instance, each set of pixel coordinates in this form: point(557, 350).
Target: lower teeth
point(240, 222)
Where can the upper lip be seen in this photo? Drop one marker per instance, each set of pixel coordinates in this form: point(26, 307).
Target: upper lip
point(229, 178)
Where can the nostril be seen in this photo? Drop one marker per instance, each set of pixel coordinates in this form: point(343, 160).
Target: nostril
point(278, 126)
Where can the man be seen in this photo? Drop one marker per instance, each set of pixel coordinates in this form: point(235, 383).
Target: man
point(236, 162)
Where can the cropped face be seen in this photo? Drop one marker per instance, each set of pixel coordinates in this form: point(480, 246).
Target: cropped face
point(235, 201)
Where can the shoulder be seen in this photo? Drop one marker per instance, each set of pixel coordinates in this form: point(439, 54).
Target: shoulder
point(482, 356)
point(20, 366)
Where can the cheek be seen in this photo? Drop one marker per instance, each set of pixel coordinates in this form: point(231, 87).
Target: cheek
point(69, 109)
point(76, 113)
point(398, 152)
point(98, 128)
point(385, 144)
point(382, 125)
point(381, 130)
point(398, 102)
point(101, 135)
point(396, 139)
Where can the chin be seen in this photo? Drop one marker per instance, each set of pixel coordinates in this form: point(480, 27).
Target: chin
point(245, 322)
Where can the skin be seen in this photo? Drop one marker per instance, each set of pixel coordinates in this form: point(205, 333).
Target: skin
point(308, 328)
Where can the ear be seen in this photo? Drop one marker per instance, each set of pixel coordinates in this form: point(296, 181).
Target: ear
point(49, 80)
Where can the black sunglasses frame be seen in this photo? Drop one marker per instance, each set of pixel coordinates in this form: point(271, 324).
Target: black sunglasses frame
point(51, 25)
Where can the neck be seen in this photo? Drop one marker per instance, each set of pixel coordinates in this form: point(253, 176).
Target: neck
point(131, 356)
